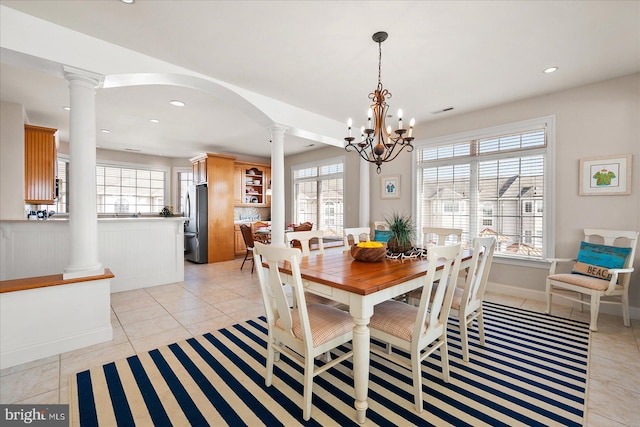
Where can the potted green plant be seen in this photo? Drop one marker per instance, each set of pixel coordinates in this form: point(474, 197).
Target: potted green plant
point(401, 226)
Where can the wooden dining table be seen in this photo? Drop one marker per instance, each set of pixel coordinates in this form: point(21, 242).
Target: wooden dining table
point(361, 286)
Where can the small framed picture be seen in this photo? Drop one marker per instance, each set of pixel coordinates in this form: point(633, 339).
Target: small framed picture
point(390, 187)
point(605, 176)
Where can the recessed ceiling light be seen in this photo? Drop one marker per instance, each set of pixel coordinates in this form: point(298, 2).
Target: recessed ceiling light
point(154, 121)
point(177, 103)
point(66, 108)
point(105, 130)
point(127, 1)
point(550, 70)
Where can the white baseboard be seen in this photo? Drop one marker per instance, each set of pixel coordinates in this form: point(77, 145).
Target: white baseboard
point(44, 349)
point(515, 291)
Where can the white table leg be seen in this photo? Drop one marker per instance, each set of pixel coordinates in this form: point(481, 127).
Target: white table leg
point(361, 338)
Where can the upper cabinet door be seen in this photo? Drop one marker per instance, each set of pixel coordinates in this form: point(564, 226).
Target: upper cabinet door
point(40, 154)
point(250, 184)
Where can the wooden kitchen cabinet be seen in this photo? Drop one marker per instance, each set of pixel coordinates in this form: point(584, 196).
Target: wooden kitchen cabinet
point(251, 183)
point(216, 170)
point(40, 154)
point(238, 189)
point(240, 247)
point(199, 169)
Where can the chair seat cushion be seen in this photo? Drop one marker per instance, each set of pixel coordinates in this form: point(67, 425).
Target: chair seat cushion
point(326, 323)
point(455, 303)
point(584, 281)
point(395, 318)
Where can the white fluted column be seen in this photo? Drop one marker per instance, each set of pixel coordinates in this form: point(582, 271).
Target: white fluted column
point(365, 190)
point(83, 217)
point(277, 184)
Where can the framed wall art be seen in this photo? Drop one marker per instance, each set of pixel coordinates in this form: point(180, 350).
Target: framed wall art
point(605, 176)
point(390, 187)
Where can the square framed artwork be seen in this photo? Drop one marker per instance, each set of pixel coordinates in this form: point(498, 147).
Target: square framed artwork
point(390, 187)
point(605, 176)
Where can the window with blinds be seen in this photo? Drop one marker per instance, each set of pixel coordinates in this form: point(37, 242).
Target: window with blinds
point(318, 196)
point(488, 185)
point(123, 190)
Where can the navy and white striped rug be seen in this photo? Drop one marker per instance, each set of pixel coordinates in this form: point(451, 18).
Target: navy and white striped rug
point(532, 371)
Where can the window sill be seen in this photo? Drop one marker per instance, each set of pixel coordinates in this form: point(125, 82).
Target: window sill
point(521, 262)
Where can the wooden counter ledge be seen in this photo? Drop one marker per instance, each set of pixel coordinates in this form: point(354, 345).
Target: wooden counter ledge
point(44, 281)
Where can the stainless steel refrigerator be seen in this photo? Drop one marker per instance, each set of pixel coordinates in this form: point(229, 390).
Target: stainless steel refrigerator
point(195, 227)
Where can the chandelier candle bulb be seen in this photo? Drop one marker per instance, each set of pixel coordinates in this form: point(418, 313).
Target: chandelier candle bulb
point(411, 125)
point(349, 123)
point(400, 118)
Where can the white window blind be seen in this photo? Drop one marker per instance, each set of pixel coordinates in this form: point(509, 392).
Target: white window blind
point(125, 190)
point(489, 185)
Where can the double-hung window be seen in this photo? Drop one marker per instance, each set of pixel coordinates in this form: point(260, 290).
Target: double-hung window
point(491, 182)
point(319, 195)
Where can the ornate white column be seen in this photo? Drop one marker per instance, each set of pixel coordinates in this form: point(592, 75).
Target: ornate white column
point(83, 217)
point(277, 184)
point(365, 190)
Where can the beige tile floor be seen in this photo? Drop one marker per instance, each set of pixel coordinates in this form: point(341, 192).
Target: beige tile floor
point(214, 296)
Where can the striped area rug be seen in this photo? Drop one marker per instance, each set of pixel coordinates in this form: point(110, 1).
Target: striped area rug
point(532, 371)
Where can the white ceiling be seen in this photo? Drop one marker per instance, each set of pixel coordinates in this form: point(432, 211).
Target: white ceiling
point(319, 56)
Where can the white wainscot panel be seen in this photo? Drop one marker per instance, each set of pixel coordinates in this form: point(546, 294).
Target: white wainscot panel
point(41, 322)
point(140, 252)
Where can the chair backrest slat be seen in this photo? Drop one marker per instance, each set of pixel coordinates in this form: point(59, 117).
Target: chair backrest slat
point(247, 235)
point(441, 235)
point(478, 274)
point(356, 233)
point(434, 310)
point(304, 238)
point(274, 296)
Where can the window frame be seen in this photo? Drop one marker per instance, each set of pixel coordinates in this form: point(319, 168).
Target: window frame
point(549, 174)
point(168, 181)
point(317, 164)
point(175, 185)
point(152, 168)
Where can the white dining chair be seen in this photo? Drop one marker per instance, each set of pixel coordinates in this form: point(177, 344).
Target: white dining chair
point(422, 330)
point(440, 236)
point(301, 332)
point(303, 238)
point(433, 236)
point(356, 234)
point(467, 301)
point(380, 225)
point(603, 284)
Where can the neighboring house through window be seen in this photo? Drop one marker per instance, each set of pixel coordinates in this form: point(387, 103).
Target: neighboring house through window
point(491, 182)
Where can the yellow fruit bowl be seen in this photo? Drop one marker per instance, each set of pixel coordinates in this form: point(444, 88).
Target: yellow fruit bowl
point(369, 253)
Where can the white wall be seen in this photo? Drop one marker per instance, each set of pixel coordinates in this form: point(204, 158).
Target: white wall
point(12, 118)
point(597, 119)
